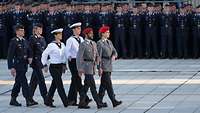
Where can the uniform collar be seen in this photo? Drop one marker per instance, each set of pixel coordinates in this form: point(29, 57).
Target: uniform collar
point(119, 13)
point(104, 40)
point(76, 36)
point(103, 13)
point(36, 36)
point(87, 12)
point(20, 38)
point(88, 40)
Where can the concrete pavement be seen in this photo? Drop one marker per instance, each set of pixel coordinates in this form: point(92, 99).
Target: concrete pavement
point(144, 86)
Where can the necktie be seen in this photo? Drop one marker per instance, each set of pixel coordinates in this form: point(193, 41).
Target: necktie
point(92, 49)
point(59, 45)
point(107, 42)
point(78, 40)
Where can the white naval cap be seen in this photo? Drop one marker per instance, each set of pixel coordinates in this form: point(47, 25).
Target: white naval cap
point(75, 25)
point(57, 31)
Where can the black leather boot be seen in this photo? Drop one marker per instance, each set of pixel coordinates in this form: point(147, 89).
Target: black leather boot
point(30, 102)
point(83, 105)
point(48, 102)
point(14, 102)
point(116, 103)
point(101, 105)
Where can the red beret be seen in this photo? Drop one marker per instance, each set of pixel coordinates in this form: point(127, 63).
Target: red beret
point(104, 29)
point(87, 30)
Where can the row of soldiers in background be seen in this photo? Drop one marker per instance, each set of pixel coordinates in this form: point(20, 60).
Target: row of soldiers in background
point(140, 31)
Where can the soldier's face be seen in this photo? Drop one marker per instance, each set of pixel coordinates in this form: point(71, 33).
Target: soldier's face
point(106, 34)
point(39, 30)
point(90, 35)
point(20, 32)
point(17, 7)
point(77, 30)
point(58, 36)
point(135, 10)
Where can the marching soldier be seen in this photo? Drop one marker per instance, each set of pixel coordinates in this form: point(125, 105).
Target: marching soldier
point(135, 31)
point(196, 32)
point(182, 30)
point(87, 58)
point(37, 44)
point(107, 54)
point(55, 50)
point(19, 56)
point(166, 24)
point(72, 46)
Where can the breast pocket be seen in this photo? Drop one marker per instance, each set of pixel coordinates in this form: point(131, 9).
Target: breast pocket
point(38, 45)
point(19, 48)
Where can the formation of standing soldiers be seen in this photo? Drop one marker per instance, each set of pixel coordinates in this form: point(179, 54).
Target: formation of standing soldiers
point(139, 31)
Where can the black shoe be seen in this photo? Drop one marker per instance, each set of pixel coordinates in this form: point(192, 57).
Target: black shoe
point(65, 105)
point(72, 103)
point(88, 101)
point(105, 104)
point(49, 104)
point(116, 103)
point(84, 107)
point(33, 101)
point(30, 103)
point(14, 102)
point(101, 105)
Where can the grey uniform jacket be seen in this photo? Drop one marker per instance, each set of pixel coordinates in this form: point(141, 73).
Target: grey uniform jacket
point(87, 57)
point(106, 50)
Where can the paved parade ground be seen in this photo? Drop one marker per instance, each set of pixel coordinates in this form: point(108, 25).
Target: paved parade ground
point(144, 86)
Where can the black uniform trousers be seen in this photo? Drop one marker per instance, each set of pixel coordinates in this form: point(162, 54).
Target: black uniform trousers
point(106, 85)
point(151, 42)
point(196, 40)
point(166, 42)
point(182, 42)
point(37, 78)
point(20, 81)
point(56, 73)
point(89, 82)
point(3, 44)
point(120, 41)
point(135, 42)
point(76, 82)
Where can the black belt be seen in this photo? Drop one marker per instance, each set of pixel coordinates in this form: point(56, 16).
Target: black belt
point(89, 60)
point(57, 65)
point(104, 57)
point(22, 58)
